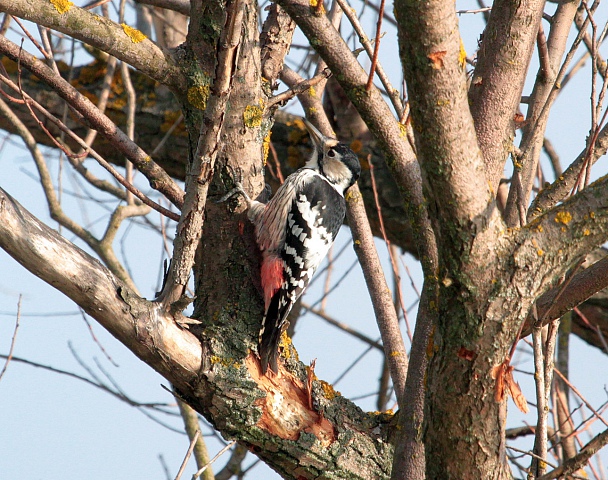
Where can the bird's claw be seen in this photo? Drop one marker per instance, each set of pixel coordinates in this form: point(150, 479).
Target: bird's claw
point(237, 176)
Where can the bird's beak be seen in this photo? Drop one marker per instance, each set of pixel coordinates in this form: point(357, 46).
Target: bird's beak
point(317, 137)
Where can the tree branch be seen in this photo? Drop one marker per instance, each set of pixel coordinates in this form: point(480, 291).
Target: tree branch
point(120, 41)
point(582, 287)
point(430, 51)
point(180, 6)
point(581, 459)
point(360, 443)
point(137, 323)
point(158, 178)
point(190, 226)
point(498, 80)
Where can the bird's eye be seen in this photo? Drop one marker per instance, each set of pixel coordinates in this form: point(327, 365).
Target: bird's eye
point(331, 153)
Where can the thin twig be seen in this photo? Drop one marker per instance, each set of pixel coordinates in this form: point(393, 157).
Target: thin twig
point(14, 339)
point(392, 92)
point(342, 326)
point(580, 395)
point(532, 454)
point(297, 89)
point(95, 339)
point(577, 462)
point(191, 425)
point(130, 121)
point(388, 244)
point(542, 410)
point(220, 453)
point(188, 454)
point(372, 69)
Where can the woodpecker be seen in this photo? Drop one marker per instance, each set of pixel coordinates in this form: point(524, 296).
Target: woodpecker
point(296, 229)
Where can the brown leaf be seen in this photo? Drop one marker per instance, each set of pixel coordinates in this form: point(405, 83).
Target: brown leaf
point(515, 391)
point(498, 374)
point(506, 384)
point(437, 59)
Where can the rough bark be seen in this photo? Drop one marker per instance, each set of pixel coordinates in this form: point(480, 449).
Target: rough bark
point(219, 378)
point(498, 80)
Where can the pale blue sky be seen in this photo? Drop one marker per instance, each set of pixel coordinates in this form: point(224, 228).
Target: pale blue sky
point(55, 427)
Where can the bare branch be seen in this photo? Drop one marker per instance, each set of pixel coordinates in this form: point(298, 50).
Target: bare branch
point(552, 304)
point(219, 454)
point(191, 424)
point(157, 176)
point(180, 6)
point(275, 40)
point(543, 96)
point(581, 459)
point(9, 357)
point(430, 50)
point(565, 183)
point(197, 182)
point(384, 310)
point(120, 41)
point(298, 89)
point(498, 79)
point(188, 454)
point(35, 246)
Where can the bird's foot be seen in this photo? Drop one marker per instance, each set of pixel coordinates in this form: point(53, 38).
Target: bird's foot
point(237, 177)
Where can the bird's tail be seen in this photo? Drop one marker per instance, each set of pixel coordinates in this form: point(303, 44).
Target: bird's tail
point(270, 334)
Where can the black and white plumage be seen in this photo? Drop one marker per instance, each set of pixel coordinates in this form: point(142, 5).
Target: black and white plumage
point(296, 229)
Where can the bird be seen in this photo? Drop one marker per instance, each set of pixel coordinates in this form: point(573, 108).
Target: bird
point(295, 230)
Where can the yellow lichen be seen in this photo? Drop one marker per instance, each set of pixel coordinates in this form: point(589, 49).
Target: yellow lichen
point(462, 55)
point(225, 362)
point(318, 7)
point(62, 6)
point(253, 115)
point(586, 232)
point(403, 130)
point(540, 252)
point(198, 96)
point(352, 196)
point(328, 390)
point(592, 215)
point(395, 354)
point(135, 35)
point(312, 92)
point(266, 147)
point(563, 217)
point(287, 346)
point(442, 102)
point(312, 110)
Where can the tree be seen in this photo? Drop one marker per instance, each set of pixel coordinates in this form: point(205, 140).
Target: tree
point(497, 267)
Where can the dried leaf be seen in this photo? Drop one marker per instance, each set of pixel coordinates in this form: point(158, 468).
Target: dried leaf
point(515, 391)
point(506, 384)
point(437, 59)
point(498, 374)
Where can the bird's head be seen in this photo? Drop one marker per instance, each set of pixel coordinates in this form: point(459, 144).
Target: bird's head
point(334, 160)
